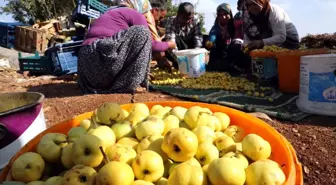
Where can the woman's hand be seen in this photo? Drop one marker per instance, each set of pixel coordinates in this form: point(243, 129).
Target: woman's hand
point(257, 44)
point(172, 45)
point(209, 45)
point(164, 63)
point(157, 55)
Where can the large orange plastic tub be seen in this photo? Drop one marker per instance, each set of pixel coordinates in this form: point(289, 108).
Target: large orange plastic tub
point(282, 151)
point(262, 54)
point(289, 68)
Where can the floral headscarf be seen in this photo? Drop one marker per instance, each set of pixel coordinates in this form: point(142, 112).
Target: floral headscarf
point(142, 6)
point(257, 25)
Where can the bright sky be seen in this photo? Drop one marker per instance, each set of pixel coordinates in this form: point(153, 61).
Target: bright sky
point(309, 16)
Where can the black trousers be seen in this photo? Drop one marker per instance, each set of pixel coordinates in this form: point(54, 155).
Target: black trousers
point(229, 59)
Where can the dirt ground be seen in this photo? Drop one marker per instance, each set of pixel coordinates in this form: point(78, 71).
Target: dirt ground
point(314, 139)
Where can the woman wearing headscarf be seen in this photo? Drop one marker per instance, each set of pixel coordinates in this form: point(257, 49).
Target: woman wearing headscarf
point(267, 24)
point(144, 7)
point(116, 53)
point(224, 48)
point(238, 20)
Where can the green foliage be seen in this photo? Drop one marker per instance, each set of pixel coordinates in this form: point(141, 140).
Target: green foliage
point(172, 11)
point(202, 22)
point(28, 11)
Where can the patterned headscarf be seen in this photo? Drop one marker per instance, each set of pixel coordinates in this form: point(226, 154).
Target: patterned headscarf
point(142, 6)
point(255, 25)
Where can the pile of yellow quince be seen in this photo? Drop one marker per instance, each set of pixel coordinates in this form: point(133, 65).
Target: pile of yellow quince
point(161, 146)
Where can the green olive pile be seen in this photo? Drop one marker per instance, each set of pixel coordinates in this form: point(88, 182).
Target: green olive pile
point(211, 80)
point(272, 48)
point(164, 77)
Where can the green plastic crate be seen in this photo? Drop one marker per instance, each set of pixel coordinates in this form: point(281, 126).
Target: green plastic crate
point(98, 5)
point(35, 64)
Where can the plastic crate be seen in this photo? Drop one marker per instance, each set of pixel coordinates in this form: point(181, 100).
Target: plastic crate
point(7, 34)
point(97, 5)
point(84, 10)
point(7, 37)
point(35, 64)
point(64, 57)
point(91, 8)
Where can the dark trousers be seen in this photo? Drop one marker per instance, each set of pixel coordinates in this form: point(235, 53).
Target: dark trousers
point(229, 59)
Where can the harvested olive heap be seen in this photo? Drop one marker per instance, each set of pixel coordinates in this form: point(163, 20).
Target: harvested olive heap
point(211, 80)
point(272, 48)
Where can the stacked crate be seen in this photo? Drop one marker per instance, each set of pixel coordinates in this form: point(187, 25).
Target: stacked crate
point(30, 40)
point(58, 60)
point(91, 8)
point(7, 34)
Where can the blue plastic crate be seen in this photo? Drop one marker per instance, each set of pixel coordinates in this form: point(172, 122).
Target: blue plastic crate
point(97, 5)
point(64, 57)
point(7, 33)
point(91, 8)
point(84, 10)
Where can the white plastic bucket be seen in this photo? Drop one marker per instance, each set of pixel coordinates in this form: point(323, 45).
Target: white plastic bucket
point(191, 62)
point(318, 84)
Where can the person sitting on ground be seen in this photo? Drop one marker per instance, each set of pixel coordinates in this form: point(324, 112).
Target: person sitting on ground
point(160, 26)
point(238, 20)
point(159, 11)
point(184, 29)
point(144, 7)
point(266, 24)
point(224, 49)
point(116, 53)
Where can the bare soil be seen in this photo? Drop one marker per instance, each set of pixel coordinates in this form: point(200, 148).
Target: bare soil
point(314, 138)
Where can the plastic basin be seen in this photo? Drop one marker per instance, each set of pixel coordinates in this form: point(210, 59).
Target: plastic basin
point(21, 119)
point(289, 68)
point(192, 62)
point(282, 151)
